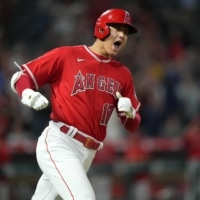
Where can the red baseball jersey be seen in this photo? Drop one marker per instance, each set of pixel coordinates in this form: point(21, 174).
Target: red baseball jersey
point(83, 86)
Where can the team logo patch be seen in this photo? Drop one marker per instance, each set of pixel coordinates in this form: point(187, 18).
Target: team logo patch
point(127, 18)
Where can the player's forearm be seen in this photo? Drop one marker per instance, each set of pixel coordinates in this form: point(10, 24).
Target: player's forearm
point(20, 81)
point(23, 83)
point(24, 87)
point(133, 124)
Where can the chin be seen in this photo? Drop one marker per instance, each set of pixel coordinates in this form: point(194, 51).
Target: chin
point(114, 54)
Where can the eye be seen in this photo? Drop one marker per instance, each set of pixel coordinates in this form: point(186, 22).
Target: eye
point(126, 31)
point(122, 28)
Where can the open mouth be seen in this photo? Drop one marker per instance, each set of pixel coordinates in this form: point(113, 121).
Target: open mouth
point(117, 44)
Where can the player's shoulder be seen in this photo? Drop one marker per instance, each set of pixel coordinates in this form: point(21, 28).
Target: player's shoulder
point(70, 48)
point(71, 51)
point(120, 66)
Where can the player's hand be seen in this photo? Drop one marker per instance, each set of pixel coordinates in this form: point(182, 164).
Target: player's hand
point(125, 105)
point(34, 99)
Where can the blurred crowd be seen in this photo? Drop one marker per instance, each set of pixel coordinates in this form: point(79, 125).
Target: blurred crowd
point(163, 57)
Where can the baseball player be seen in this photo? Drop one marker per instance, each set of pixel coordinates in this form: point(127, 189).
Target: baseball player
point(86, 83)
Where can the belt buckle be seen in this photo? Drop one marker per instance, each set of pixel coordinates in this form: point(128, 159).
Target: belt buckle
point(89, 141)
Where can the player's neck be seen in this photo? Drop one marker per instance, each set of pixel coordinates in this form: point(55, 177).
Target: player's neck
point(98, 49)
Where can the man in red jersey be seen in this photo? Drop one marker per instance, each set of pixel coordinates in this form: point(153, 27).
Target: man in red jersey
point(86, 83)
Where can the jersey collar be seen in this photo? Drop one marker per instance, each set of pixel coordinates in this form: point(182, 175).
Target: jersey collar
point(96, 57)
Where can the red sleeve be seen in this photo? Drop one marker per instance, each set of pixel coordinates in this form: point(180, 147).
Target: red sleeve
point(133, 124)
point(47, 68)
point(129, 91)
point(22, 83)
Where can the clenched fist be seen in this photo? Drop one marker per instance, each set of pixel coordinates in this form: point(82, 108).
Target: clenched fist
point(125, 105)
point(34, 99)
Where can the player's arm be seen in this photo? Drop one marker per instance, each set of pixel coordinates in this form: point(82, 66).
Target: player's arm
point(36, 73)
point(130, 115)
point(133, 124)
point(22, 84)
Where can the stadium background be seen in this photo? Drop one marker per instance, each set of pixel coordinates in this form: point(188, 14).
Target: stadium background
point(161, 160)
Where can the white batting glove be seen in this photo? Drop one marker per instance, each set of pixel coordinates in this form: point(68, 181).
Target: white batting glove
point(125, 105)
point(34, 99)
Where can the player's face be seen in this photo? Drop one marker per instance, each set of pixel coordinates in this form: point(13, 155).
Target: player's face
point(116, 40)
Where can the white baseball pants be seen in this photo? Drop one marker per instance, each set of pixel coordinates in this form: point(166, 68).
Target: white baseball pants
point(64, 162)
